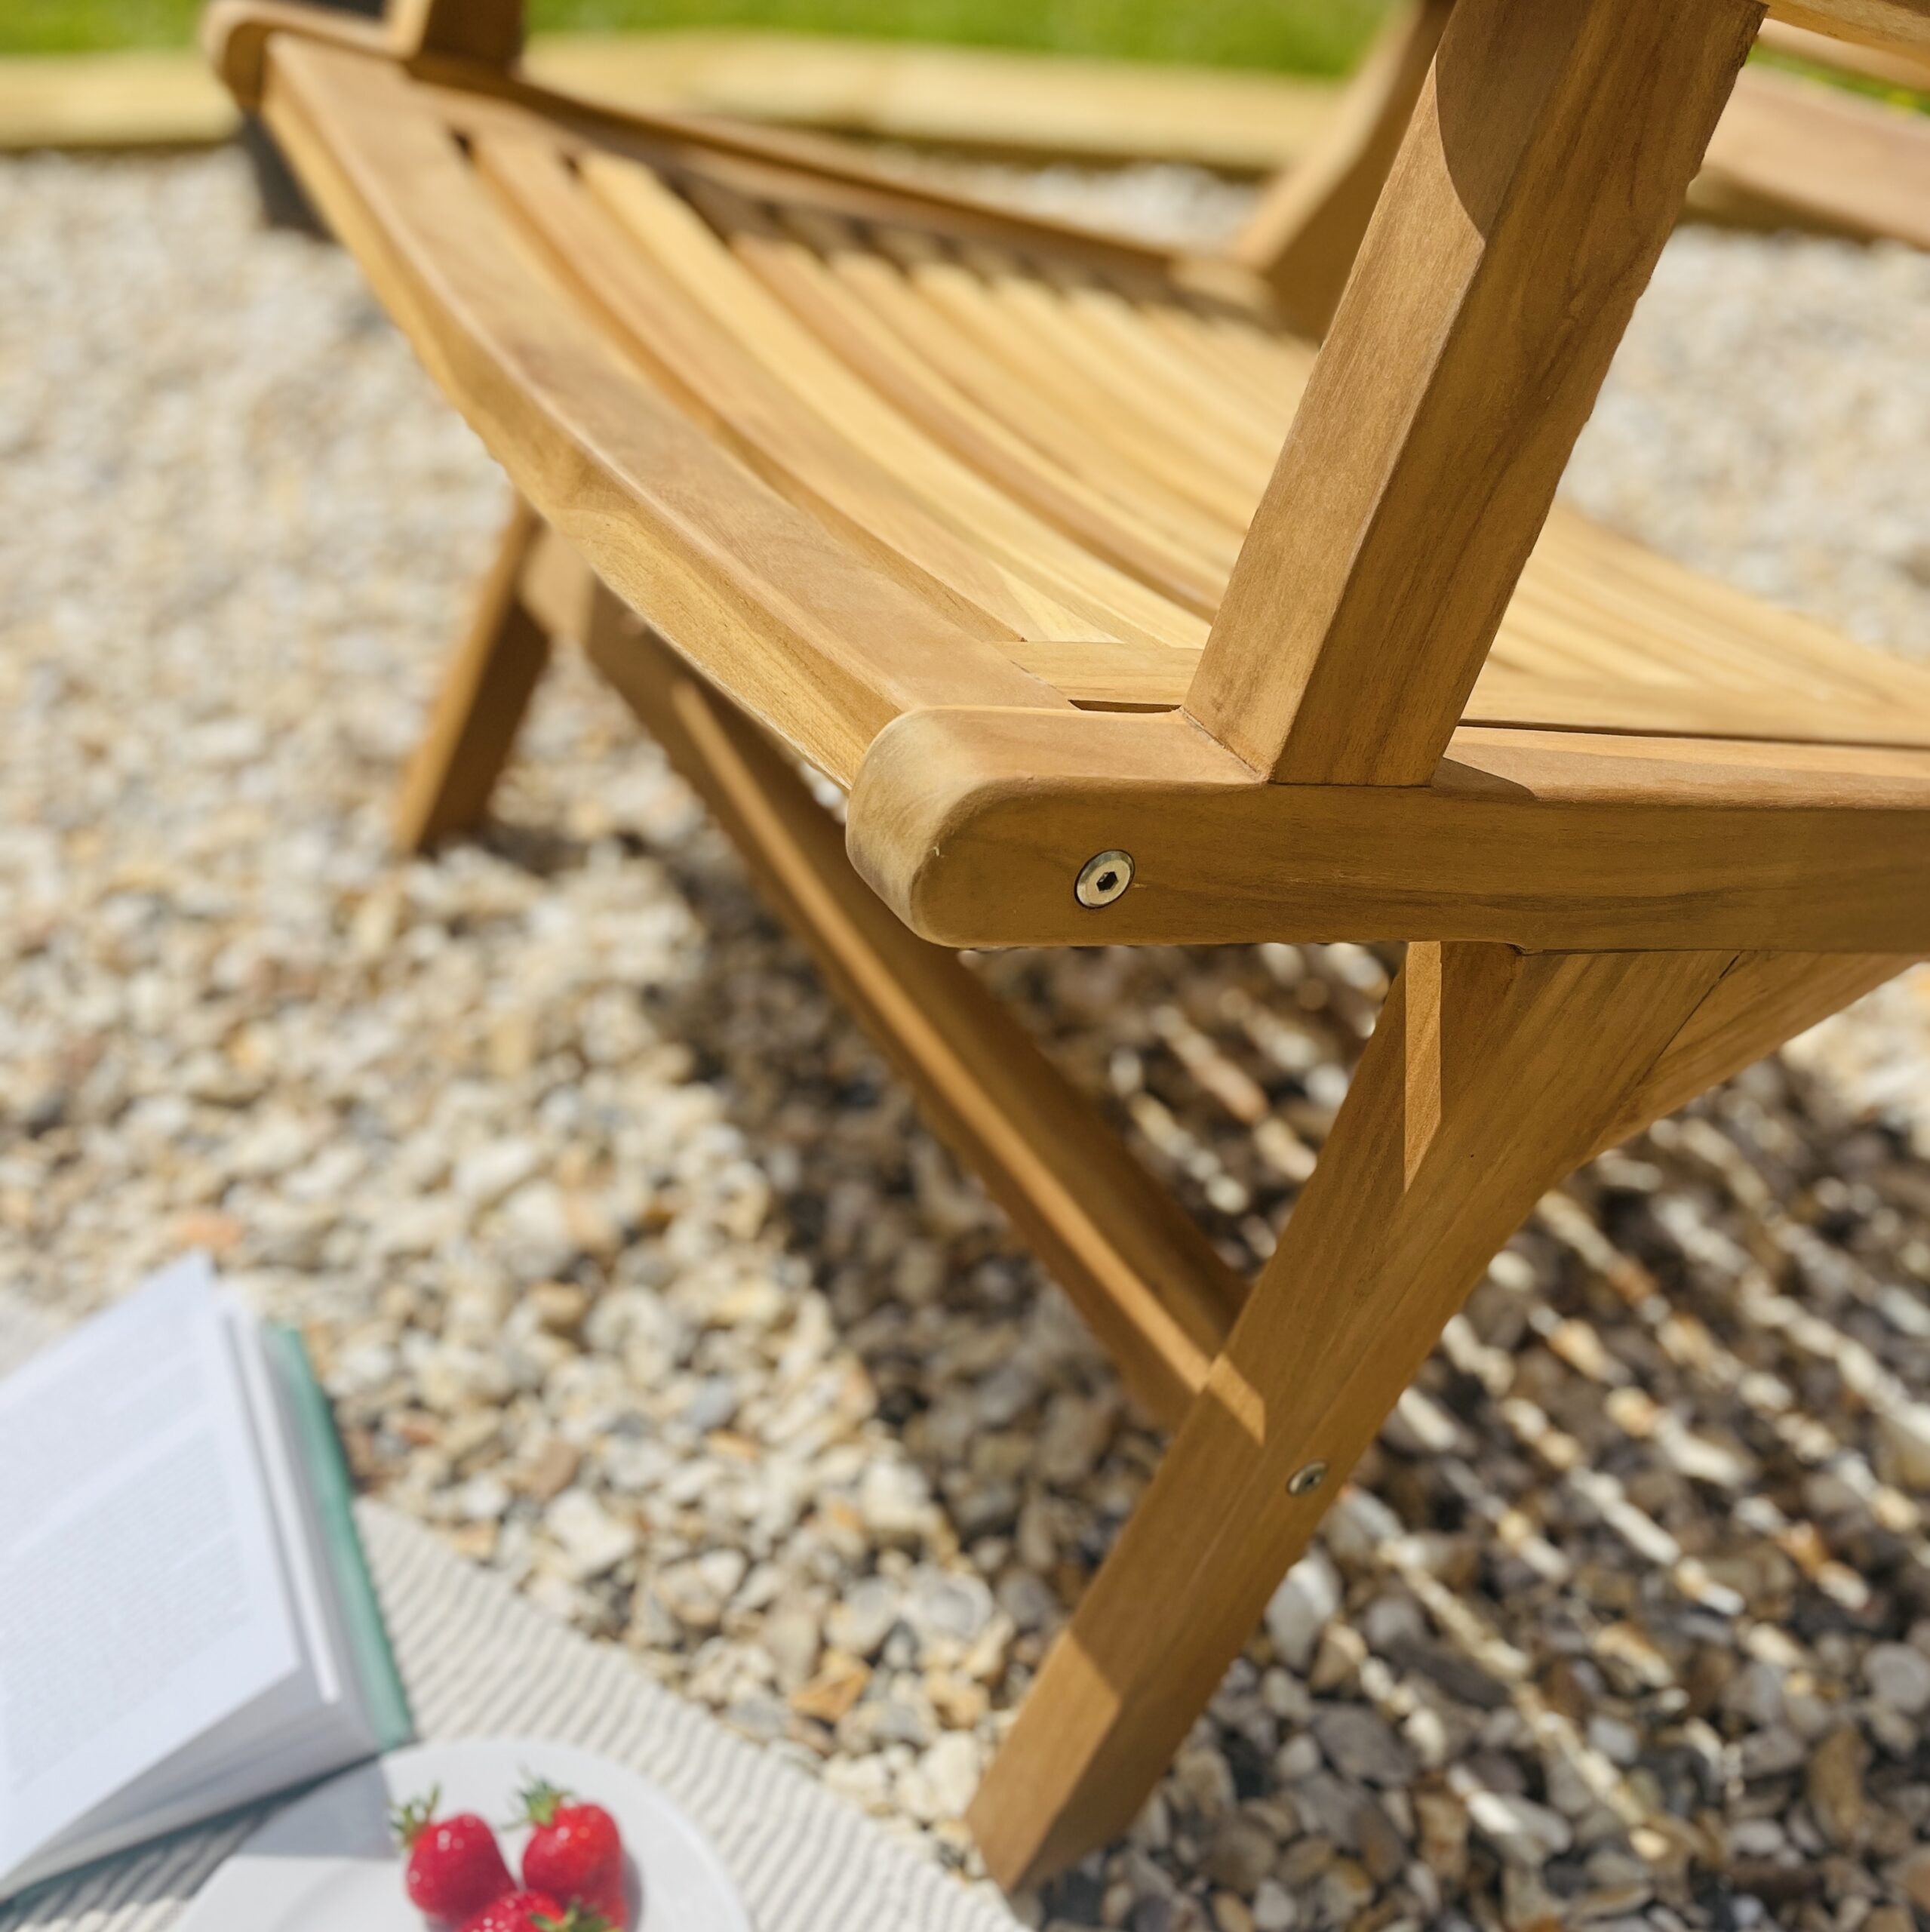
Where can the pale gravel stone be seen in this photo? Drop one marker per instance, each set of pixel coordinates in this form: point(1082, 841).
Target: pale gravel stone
point(1898, 1678)
point(1300, 1609)
point(1522, 1832)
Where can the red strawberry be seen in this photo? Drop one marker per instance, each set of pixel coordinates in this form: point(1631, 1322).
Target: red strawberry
point(574, 1851)
point(535, 1912)
point(455, 1866)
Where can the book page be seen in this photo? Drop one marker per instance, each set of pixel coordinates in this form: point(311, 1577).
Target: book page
point(141, 1600)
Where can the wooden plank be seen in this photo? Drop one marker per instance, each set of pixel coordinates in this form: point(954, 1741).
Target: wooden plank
point(1124, 367)
point(1151, 332)
point(756, 417)
point(1539, 702)
point(1605, 571)
point(121, 99)
point(1541, 176)
point(1834, 160)
point(1488, 1078)
point(234, 36)
point(1113, 675)
point(479, 710)
point(1895, 67)
point(1136, 537)
point(803, 169)
point(1115, 467)
point(973, 827)
point(1764, 999)
point(823, 648)
point(1305, 235)
point(1009, 103)
point(1133, 1261)
point(738, 308)
point(1902, 24)
point(1045, 382)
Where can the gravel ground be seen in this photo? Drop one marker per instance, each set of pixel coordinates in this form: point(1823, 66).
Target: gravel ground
point(630, 1269)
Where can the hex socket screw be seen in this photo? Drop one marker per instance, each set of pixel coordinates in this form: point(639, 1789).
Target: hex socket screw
point(1103, 879)
point(1305, 1481)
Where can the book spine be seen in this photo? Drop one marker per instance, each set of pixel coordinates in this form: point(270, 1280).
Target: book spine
point(327, 1469)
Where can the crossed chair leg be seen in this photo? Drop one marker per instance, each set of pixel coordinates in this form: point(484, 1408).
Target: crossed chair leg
point(1491, 1074)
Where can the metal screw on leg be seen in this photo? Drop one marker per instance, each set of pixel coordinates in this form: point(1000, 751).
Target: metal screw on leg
point(1103, 879)
point(1304, 1481)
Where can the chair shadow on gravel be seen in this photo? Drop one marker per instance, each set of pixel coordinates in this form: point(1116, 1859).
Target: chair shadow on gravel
point(1609, 1394)
point(1642, 1316)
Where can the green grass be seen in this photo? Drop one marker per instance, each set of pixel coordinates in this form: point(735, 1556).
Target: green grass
point(1315, 36)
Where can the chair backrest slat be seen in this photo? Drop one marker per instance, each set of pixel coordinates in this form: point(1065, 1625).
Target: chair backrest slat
point(1543, 168)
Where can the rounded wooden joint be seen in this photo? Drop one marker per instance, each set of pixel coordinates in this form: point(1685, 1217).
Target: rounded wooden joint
point(970, 825)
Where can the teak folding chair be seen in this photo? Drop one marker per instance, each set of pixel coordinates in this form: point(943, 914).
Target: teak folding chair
point(1123, 616)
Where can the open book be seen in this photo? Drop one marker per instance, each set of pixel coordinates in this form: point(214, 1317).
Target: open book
point(187, 1624)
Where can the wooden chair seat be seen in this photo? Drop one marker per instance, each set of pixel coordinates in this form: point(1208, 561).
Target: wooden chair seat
point(1123, 616)
point(865, 454)
point(1052, 451)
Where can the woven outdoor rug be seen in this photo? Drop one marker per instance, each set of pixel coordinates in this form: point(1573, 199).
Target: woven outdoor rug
point(479, 1661)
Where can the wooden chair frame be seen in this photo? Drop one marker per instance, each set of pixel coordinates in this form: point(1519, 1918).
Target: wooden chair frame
point(1600, 924)
point(1783, 148)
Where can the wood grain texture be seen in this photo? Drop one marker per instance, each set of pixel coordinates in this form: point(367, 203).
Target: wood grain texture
point(1109, 676)
point(485, 692)
point(1489, 1077)
point(1764, 999)
point(1541, 174)
point(751, 414)
point(1898, 23)
point(1304, 236)
point(823, 647)
point(1893, 66)
point(1104, 511)
point(740, 323)
point(973, 826)
point(1131, 1260)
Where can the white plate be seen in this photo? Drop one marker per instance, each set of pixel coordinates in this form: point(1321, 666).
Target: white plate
point(329, 1862)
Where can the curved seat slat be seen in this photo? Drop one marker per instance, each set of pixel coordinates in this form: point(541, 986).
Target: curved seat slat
point(1117, 531)
point(834, 479)
point(735, 305)
point(946, 359)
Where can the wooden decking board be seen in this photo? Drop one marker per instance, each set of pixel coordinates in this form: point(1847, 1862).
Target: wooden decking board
point(136, 98)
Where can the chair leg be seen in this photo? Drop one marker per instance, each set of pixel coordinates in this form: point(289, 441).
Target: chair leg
point(485, 692)
point(1130, 1257)
point(1491, 1075)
